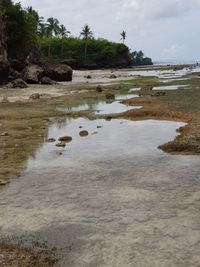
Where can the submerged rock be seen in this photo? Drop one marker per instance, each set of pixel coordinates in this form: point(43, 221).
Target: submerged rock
point(65, 139)
point(83, 133)
point(61, 144)
point(51, 140)
point(110, 96)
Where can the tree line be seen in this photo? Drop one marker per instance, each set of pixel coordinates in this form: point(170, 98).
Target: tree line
point(23, 30)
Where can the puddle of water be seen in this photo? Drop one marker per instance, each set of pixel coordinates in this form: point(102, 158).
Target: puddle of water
point(125, 96)
point(170, 87)
point(103, 108)
point(134, 89)
point(113, 196)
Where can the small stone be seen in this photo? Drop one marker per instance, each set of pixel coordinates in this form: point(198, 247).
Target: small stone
point(108, 118)
point(61, 144)
point(89, 77)
point(35, 96)
point(93, 133)
point(110, 96)
point(80, 127)
point(65, 139)
point(51, 140)
point(4, 134)
point(113, 76)
point(98, 127)
point(99, 89)
point(3, 182)
point(83, 133)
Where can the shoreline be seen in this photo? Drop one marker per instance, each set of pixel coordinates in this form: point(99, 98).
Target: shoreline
point(26, 124)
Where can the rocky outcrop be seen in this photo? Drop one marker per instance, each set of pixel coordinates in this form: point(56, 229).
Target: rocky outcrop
point(47, 73)
point(33, 73)
point(58, 72)
point(4, 71)
point(19, 83)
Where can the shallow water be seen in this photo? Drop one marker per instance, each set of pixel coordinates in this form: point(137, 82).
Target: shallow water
point(103, 107)
point(169, 87)
point(112, 196)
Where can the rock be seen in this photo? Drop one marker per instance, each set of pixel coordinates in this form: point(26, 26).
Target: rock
point(108, 118)
point(61, 144)
point(19, 83)
point(80, 127)
point(65, 139)
point(3, 182)
point(4, 71)
point(33, 73)
point(110, 96)
point(99, 89)
point(14, 74)
point(35, 96)
point(160, 93)
point(113, 76)
point(88, 77)
point(58, 72)
point(83, 133)
point(98, 127)
point(4, 134)
point(47, 80)
point(51, 140)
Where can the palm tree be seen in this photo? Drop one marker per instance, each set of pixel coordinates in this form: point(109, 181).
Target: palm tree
point(123, 35)
point(52, 28)
point(87, 34)
point(63, 32)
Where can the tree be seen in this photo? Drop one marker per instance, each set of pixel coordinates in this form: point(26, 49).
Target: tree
point(52, 29)
point(18, 30)
point(123, 35)
point(3, 37)
point(63, 32)
point(87, 34)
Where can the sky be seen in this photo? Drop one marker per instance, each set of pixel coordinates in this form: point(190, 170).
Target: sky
point(166, 30)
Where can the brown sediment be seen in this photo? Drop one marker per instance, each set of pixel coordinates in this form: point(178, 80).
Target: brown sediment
point(14, 256)
point(188, 140)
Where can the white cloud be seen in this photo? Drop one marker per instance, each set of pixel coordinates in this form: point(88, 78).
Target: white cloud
point(156, 26)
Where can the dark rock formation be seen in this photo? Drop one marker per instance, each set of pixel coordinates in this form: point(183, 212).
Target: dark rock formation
point(33, 73)
point(58, 72)
point(4, 71)
point(47, 81)
point(19, 83)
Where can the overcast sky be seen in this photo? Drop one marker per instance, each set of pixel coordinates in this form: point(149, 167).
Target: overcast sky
point(163, 29)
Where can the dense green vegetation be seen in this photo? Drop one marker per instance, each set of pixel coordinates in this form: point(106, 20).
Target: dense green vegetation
point(23, 31)
point(19, 31)
point(99, 51)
